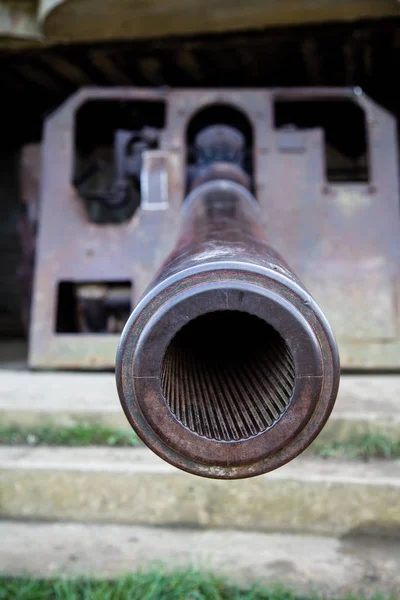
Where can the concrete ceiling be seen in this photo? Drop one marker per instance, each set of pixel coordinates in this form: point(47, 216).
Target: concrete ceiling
point(27, 23)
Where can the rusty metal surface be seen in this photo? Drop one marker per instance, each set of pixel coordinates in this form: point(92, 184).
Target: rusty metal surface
point(227, 368)
point(341, 239)
point(71, 248)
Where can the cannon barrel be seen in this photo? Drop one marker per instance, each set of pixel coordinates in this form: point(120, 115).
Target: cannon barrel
point(227, 367)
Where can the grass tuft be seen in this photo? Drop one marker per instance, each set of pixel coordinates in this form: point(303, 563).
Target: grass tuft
point(153, 584)
point(83, 434)
point(363, 446)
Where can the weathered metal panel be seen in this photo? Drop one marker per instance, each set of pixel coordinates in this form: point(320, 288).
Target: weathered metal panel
point(342, 239)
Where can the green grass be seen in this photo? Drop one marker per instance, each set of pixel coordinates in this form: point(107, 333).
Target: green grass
point(75, 435)
point(362, 446)
point(154, 584)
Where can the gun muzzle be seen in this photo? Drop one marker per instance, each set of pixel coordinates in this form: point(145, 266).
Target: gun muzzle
point(227, 368)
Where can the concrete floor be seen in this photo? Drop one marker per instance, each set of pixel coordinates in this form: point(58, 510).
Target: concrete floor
point(336, 563)
point(324, 564)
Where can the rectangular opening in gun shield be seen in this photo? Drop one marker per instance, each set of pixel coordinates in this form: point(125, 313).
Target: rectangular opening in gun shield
point(110, 137)
point(345, 133)
point(93, 307)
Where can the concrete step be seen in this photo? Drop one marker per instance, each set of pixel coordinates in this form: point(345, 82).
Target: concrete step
point(134, 486)
point(327, 565)
point(365, 403)
point(31, 399)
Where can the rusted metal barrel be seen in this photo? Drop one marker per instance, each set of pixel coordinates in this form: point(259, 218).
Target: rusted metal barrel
point(227, 368)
